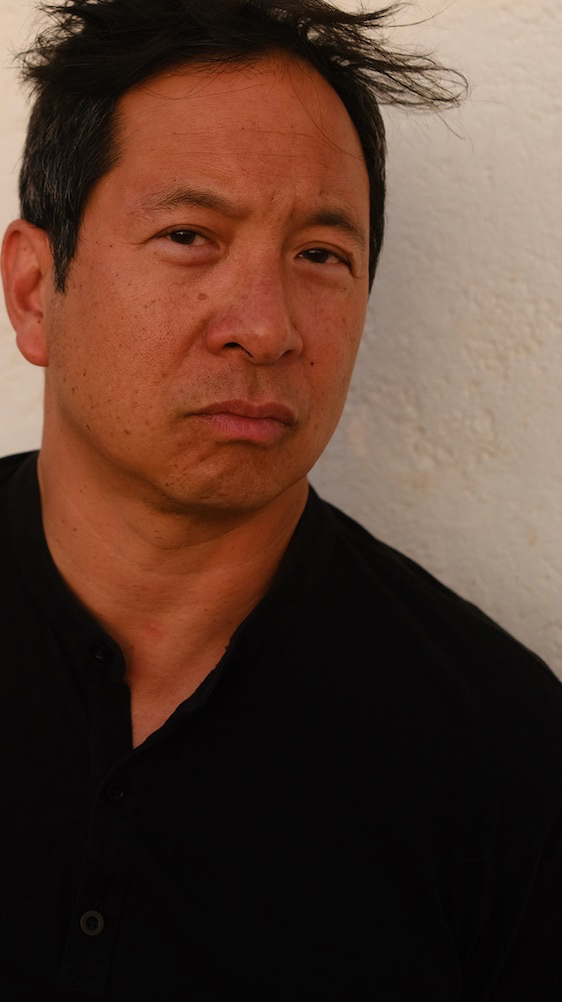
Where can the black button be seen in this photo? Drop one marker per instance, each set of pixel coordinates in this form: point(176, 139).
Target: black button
point(92, 923)
point(116, 791)
point(101, 652)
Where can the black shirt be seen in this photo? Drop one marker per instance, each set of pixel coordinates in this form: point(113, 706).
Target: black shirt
point(361, 802)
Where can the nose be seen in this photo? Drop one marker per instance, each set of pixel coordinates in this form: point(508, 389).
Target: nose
point(255, 320)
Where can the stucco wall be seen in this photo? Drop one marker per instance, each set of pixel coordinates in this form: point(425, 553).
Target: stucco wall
point(451, 445)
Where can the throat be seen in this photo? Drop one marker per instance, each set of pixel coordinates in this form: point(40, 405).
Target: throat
point(159, 682)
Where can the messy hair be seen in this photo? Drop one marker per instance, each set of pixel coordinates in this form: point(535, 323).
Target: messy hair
point(93, 51)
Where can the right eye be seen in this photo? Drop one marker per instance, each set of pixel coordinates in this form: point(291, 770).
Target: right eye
point(185, 237)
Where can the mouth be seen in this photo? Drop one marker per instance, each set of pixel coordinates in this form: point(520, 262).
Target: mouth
point(243, 421)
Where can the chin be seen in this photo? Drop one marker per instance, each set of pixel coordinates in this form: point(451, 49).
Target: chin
point(224, 495)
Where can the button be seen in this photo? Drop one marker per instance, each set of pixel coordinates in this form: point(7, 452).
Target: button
point(116, 791)
point(92, 923)
point(101, 652)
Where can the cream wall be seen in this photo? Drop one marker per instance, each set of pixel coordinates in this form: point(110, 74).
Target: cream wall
point(451, 445)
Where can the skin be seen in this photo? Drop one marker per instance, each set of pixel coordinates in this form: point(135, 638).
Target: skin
point(198, 361)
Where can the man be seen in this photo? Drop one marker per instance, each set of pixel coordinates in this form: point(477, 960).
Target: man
point(250, 752)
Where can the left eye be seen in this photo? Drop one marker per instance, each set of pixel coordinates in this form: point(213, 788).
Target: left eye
point(185, 237)
point(319, 255)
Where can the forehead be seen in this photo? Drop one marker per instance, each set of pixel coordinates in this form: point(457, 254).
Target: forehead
point(272, 126)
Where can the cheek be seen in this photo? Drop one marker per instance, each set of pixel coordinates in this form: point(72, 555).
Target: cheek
point(126, 330)
point(156, 324)
point(333, 347)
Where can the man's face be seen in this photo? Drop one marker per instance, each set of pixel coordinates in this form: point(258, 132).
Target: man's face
point(203, 348)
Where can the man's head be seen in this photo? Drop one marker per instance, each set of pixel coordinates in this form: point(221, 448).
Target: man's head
point(96, 50)
point(202, 219)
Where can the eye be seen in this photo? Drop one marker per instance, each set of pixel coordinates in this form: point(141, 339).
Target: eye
point(320, 255)
point(185, 237)
point(184, 246)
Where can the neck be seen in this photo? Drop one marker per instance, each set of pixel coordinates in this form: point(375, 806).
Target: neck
point(169, 587)
point(116, 550)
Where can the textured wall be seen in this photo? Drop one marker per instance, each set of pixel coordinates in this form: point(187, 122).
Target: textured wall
point(451, 445)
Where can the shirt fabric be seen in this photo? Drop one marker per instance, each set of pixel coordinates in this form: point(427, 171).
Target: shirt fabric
point(361, 802)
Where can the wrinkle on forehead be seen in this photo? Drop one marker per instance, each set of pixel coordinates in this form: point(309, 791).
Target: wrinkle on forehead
point(290, 150)
point(250, 78)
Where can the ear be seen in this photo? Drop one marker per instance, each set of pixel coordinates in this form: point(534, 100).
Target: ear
point(27, 268)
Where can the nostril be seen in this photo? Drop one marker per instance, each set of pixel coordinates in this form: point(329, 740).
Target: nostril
point(235, 344)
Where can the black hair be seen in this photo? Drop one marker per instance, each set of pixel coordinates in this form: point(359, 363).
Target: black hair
point(93, 51)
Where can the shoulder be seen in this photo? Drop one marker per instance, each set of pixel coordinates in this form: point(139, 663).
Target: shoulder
point(452, 703)
point(385, 587)
point(10, 466)
point(420, 644)
point(20, 512)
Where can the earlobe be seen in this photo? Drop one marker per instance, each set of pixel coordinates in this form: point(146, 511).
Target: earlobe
point(26, 273)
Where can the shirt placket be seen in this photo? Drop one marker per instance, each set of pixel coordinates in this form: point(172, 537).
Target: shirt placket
point(106, 851)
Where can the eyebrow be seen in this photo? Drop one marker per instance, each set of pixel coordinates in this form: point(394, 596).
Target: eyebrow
point(186, 196)
point(340, 220)
point(177, 197)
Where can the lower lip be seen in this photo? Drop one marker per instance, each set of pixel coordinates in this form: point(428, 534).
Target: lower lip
point(262, 431)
